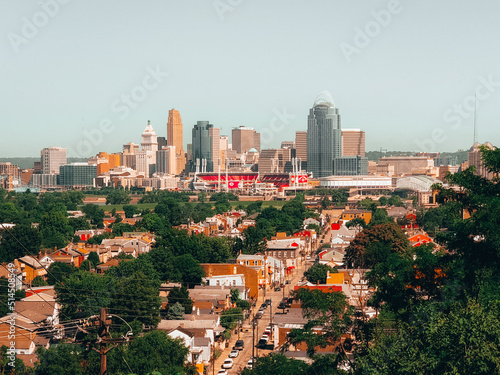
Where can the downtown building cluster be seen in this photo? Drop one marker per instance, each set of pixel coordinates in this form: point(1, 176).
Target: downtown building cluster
point(323, 154)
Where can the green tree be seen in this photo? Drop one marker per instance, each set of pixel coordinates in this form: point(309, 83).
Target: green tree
point(383, 201)
point(61, 359)
point(181, 295)
point(230, 318)
point(190, 269)
point(356, 222)
point(38, 281)
point(57, 271)
point(118, 196)
point(462, 341)
point(79, 223)
point(277, 364)
point(136, 298)
point(21, 240)
point(55, 229)
point(130, 210)
point(388, 233)
point(395, 200)
point(6, 362)
point(175, 312)
point(93, 258)
point(380, 216)
point(202, 197)
point(318, 272)
point(153, 352)
point(325, 202)
point(330, 311)
point(120, 228)
point(368, 204)
point(95, 214)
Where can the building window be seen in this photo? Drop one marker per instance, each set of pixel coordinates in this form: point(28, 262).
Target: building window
point(247, 262)
point(279, 254)
point(234, 270)
point(234, 282)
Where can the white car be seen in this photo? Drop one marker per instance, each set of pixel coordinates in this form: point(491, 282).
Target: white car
point(234, 353)
point(228, 363)
point(250, 363)
point(222, 372)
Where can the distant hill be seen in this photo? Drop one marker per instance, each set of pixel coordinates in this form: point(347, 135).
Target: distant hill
point(457, 157)
point(26, 163)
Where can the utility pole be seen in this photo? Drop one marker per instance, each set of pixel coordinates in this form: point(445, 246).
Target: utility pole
point(104, 323)
point(254, 323)
point(213, 359)
point(257, 351)
point(271, 314)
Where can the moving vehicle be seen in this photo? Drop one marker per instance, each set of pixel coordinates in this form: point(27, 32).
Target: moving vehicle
point(277, 289)
point(228, 363)
point(234, 353)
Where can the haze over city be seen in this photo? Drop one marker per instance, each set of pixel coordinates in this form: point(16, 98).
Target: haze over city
point(405, 72)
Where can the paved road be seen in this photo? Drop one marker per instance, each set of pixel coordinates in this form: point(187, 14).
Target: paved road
point(242, 359)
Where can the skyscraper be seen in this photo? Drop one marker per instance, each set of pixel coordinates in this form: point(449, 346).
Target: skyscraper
point(77, 175)
point(353, 142)
point(301, 147)
point(166, 160)
point(206, 145)
point(52, 159)
point(324, 136)
point(243, 139)
point(174, 138)
point(146, 158)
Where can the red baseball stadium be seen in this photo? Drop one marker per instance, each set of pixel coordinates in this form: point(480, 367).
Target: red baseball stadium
point(248, 180)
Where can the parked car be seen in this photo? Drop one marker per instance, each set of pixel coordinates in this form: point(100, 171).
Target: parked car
point(250, 363)
point(228, 363)
point(263, 306)
point(262, 343)
point(259, 314)
point(234, 353)
point(268, 301)
point(239, 345)
point(222, 371)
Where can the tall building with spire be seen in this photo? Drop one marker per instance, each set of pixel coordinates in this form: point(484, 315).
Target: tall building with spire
point(324, 142)
point(174, 138)
point(324, 136)
point(146, 158)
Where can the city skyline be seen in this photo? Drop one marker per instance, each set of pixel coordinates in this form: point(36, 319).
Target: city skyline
point(66, 83)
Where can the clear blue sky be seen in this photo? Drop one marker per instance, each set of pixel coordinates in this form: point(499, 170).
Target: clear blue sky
point(245, 62)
